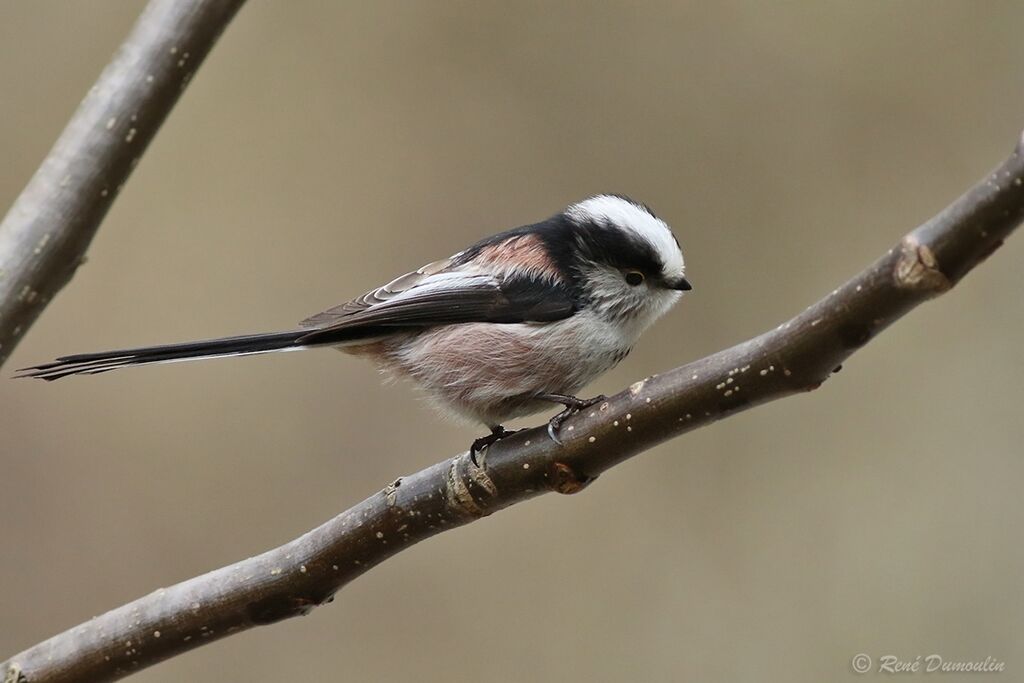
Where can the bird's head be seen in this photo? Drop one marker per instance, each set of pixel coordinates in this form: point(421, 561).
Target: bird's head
point(629, 265)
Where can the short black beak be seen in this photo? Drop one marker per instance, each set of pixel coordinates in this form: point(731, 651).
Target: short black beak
point(682, 284)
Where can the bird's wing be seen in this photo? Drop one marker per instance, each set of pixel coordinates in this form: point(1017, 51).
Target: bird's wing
point(377, 296)
point(443, 293)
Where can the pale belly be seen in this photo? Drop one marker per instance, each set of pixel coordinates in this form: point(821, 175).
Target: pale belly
point(490, 373)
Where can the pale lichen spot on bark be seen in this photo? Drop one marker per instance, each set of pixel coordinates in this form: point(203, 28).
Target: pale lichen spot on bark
point(41, 244)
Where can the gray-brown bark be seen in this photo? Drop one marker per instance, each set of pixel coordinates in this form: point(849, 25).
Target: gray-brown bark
point(794, 357)
point(44, 236)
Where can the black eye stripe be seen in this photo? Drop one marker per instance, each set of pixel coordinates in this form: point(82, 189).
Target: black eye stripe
point(617, 248)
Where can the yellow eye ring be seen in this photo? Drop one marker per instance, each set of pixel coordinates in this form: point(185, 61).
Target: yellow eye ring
point(634, 278)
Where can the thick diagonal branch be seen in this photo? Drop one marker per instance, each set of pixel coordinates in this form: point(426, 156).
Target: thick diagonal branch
point(44, 236)
point(796, 356)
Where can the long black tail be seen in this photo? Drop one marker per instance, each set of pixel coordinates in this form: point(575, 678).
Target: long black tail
point(105, 361)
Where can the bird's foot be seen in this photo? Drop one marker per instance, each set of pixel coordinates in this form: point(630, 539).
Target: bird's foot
point(497, 434)
point(572, 405)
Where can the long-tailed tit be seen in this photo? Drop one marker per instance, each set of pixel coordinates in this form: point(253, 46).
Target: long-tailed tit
point(500, 330)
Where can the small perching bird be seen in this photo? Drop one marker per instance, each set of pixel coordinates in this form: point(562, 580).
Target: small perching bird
point(500, 330)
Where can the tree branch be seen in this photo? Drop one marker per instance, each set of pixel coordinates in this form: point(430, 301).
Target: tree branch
point(796, 356)
point(44, 236)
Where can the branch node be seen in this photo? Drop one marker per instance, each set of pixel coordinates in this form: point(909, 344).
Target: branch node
point(14, 674)
point(562, 478)
point(457, 490)
point(482, 479)
point(391, 492)
point(918, 269)
point(275, 608)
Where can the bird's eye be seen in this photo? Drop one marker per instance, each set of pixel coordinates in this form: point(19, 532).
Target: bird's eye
point(634, 277)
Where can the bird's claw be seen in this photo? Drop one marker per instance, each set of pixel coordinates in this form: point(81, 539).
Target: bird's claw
point(553, 431)
point(497, 434)
point(571, 408)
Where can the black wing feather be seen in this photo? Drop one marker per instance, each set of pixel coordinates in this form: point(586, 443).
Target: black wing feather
point(515, 300)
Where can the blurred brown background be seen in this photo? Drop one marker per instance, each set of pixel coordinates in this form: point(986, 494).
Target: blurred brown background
point(325, 147)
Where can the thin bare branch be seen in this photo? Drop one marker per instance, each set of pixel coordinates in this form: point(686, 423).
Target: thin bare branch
point(44, 236)
point(796, 356)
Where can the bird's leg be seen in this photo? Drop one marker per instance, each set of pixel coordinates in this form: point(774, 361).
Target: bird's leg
point(497, 434)
point(572, 405)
